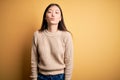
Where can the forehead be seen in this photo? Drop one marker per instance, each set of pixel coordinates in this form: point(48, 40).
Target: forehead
point(54, 8)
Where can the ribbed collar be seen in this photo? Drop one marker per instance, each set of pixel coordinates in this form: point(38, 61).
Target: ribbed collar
point(48, 33)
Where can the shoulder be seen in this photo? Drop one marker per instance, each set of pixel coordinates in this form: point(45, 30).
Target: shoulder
point(66, 34)
point(37, 33)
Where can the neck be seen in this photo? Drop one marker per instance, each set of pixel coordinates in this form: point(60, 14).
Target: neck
point(52, 28)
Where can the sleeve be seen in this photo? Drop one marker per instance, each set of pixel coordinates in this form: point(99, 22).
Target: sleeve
point(34, 58)
point(68, 57)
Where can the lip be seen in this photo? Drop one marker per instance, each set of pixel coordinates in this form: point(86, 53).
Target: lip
point(52, 18)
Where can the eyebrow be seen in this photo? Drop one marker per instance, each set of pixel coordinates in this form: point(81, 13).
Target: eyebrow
point(55, 10)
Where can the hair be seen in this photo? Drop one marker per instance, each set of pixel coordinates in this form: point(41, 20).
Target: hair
point(61, 24)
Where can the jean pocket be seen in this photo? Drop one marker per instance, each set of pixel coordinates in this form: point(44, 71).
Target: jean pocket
point(62, 76)
point(40, 77)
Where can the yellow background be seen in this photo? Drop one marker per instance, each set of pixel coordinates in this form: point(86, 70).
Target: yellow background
point(95, 25)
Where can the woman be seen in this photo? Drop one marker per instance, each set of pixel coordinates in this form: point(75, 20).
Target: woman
point(52, 48)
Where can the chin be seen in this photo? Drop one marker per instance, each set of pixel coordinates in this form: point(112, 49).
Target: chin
point(54, 23)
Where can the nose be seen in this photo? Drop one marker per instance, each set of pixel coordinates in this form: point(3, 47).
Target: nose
point(53, 14)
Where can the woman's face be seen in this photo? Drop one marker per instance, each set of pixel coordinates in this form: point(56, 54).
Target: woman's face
point(53, 15)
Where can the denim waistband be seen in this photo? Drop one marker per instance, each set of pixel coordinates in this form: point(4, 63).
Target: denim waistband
point(50, 74)
point(51, 77)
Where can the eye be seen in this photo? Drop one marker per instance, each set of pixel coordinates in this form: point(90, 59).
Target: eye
point(49, 11)
point(57, 12)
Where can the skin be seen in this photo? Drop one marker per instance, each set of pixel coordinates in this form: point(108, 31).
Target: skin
point(53, 16)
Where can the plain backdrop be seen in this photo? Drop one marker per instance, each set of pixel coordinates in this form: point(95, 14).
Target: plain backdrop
point(94, 24)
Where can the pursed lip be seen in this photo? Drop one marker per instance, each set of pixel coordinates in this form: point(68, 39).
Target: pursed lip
point(52, 18)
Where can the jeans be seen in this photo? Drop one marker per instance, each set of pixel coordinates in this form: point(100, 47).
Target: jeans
point(51, 77)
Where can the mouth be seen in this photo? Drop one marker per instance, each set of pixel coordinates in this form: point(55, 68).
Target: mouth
point(52, 19)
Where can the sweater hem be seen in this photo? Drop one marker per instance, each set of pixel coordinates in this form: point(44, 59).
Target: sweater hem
point(51, 72)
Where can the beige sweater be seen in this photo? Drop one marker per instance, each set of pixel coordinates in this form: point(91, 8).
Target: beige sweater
point(52, 53)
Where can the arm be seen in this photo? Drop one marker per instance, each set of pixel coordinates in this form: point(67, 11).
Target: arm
point(68, 57)
point(34, 60)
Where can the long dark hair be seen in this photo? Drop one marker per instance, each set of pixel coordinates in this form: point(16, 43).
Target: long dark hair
point(61, 24)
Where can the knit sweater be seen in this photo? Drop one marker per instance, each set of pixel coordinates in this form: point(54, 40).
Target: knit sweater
point(52, 53)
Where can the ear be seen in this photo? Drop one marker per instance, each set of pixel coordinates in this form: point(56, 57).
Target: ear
point(60, 19)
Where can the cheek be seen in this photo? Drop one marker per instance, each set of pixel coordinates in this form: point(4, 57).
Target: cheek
point(58, 16)
point(47, 15)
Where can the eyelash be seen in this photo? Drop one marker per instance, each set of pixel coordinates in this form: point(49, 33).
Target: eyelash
point(57, 12)
point(51, 12)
